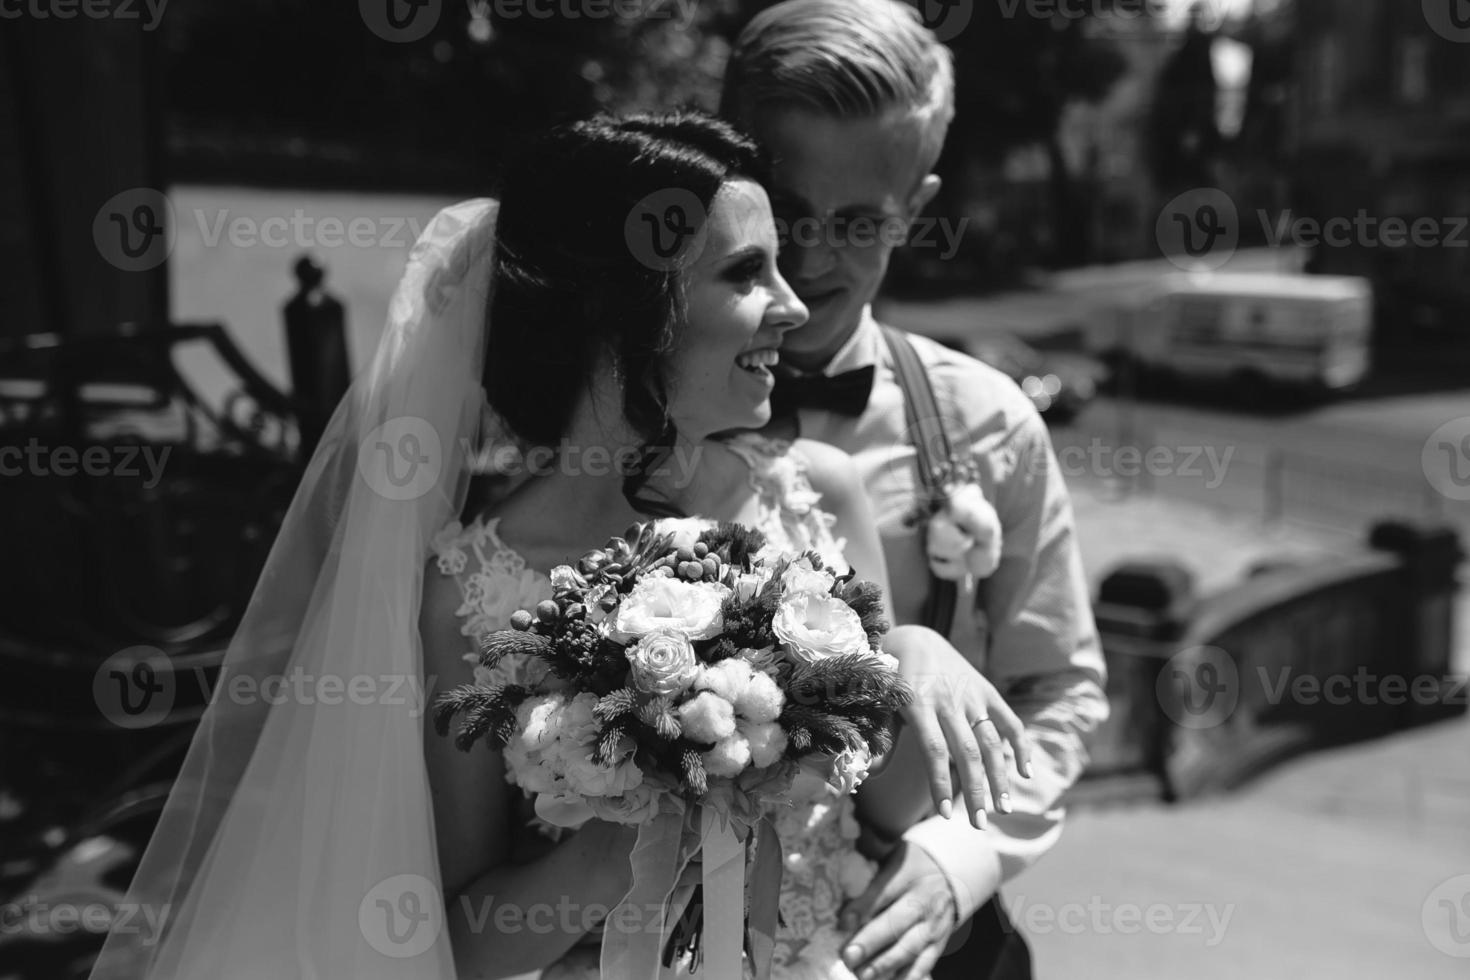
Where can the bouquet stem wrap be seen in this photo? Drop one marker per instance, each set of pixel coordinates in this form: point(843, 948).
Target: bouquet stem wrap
point(635, 953)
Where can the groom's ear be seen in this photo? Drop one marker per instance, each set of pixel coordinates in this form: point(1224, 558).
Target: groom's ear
point(928, 187)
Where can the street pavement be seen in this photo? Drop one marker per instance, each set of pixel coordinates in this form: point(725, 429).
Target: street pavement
point(1350, 863)
point(1347, 863)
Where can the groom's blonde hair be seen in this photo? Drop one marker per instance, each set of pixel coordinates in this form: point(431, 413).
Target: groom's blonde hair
point(851, 59)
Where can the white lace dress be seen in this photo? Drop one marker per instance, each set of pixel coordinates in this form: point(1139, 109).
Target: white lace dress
point(818, 830)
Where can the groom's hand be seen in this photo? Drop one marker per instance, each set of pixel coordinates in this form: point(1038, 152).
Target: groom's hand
point(958, 717)
point(909, 911)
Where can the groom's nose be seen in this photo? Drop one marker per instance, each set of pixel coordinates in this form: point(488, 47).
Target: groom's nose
point(806, 263)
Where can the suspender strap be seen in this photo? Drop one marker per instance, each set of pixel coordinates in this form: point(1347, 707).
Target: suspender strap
point(932, 449)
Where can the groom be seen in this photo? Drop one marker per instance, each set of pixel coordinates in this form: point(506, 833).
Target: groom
point(852, 98)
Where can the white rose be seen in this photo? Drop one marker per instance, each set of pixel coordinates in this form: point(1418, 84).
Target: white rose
point(656, 603)
point(662, 663)
point(816, 627)
point(801, 577)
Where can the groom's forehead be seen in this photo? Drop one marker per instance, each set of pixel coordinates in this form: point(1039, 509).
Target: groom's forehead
point(827, 162)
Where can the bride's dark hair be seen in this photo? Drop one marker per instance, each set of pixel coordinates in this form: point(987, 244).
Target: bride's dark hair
point(569, 284)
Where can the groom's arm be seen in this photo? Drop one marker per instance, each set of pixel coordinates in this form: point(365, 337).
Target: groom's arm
point(1043, 655)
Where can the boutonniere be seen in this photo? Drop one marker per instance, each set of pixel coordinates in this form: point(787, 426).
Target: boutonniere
point(962, 530)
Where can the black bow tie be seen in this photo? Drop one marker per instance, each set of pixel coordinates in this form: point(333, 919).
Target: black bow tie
point(846, 393)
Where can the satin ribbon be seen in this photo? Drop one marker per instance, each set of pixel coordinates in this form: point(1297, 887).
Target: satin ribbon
point(631, 951)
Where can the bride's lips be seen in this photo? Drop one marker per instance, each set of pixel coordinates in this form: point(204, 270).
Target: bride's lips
point(757, 363)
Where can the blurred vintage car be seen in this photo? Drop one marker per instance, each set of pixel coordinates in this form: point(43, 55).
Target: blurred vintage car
point(1259, 334)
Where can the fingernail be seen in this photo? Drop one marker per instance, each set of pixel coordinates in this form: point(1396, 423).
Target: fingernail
point(946, 809)
point(981, 820)
point(1005, 803)
point(1026, 769)
point(867, 974)
point(853, 955)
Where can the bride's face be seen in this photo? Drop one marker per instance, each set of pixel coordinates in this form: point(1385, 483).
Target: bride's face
point(738, 308)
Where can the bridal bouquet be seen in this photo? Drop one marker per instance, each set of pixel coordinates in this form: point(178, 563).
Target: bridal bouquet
point(676, 680)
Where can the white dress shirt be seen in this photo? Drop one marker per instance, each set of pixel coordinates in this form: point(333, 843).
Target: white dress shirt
point(1030, 629)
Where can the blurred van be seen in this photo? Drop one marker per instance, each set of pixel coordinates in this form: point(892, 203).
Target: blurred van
point(1253, 331)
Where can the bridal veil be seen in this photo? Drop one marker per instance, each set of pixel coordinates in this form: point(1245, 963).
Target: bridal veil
point(298, 840)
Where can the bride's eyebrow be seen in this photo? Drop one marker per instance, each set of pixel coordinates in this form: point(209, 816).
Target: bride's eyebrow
point(743, 253)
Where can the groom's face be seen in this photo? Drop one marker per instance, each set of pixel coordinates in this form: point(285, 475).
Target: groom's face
point(844, 192)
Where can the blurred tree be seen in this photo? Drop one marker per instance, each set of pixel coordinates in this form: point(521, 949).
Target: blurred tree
point(1184, 140)
point(1015, 75)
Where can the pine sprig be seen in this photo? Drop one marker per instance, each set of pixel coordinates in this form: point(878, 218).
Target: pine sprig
point(502, 643)
point(692, 766)
point(821, 680)
point(865, 599)
point(829, 733)
point(488, 714)
point(658, 714)
point(736, 542)
point(611, 707)
point(609, 742)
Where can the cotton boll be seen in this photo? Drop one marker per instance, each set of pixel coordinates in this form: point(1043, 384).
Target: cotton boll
point(729, 679)
point(729, 757)
point(707, 718)
point(767, 742)
point(762, 699)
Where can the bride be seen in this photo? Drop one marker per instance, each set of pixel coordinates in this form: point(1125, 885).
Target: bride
point(600, 336)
